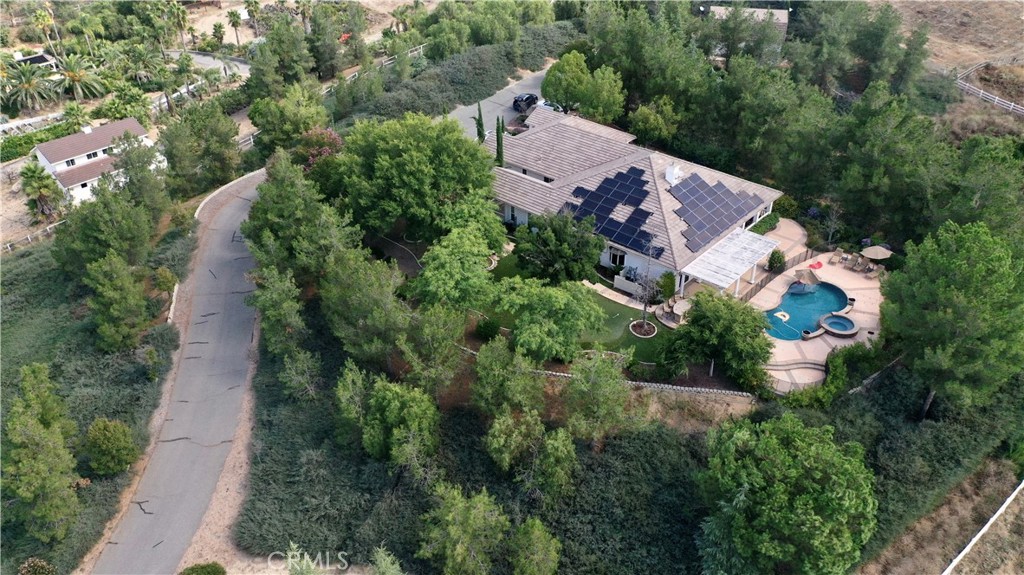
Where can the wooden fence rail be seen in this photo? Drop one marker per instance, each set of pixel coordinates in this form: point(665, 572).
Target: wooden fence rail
point(973, 90)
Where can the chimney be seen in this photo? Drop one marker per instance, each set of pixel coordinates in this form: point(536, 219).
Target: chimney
point(672, 174)
point(87, 129)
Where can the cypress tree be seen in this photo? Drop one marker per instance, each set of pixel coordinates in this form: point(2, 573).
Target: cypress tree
point(499, 154)
point(480, 134)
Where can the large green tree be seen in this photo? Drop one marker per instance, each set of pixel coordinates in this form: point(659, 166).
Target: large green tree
point(38, 468)
point(282, 122)
point(954, 312)
point(559, 248)
point(395, 413)
point(535, 551)
point(277, 299)
point(455, 270)
point(512, 436)
point(596, 398)
point(142, 175)
point(549, 320)
point(430, 346)
point(603, 96)
point(110, 222)
point(785, 498)
point(200, 149)
point(567, 81)
point(506, 378)
point(465, 535)
point(422, 173)
point(118, 304)
point(721, 329)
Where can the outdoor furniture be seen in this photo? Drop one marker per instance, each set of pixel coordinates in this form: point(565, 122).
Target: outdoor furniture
point(852, 263)
point(870, 268)
point(836, 256)
point(876, 272)
point(859, 266)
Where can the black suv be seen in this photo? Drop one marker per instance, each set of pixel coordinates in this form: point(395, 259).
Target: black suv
point(524, 102)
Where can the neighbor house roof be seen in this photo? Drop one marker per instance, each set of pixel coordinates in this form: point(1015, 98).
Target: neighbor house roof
point(80, 143)
point(593, 169)
point(86, 172)
point(40, 58)
point(779, 17)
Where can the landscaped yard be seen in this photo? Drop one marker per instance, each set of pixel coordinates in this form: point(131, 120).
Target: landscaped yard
point(614, 335)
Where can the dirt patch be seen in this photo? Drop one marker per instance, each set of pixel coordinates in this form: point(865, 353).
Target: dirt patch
point(1007, 82)
point(963, 33)
point(973, 116)
point(937, 538)
point(998, 551)
point(693, 413)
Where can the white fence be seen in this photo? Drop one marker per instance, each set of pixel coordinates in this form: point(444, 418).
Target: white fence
point(415, 51)
point(27, 240)
point(979, 93)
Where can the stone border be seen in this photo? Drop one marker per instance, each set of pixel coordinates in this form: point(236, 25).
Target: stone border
point(170, 309)
point(635, 334)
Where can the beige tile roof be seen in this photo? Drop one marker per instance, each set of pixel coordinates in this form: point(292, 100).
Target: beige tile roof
point(80, 143)
point(578, 153)
point(86, 172)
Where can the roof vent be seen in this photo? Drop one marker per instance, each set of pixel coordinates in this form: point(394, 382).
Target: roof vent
point(86, 129)
point(672, 174)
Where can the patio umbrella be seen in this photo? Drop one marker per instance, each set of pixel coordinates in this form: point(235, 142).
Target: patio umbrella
point(875, 253)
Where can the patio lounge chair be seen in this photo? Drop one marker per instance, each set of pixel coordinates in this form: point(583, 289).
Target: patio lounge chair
point(852, 262)
point(876, 272)
point(836, 256)
point(861, 263)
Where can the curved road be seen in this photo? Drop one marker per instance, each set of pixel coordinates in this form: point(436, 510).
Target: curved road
point(209, 379)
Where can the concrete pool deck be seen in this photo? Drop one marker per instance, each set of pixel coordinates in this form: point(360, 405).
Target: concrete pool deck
point(800, 364)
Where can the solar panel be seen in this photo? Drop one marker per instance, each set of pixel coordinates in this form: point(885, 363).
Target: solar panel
point(709, 210)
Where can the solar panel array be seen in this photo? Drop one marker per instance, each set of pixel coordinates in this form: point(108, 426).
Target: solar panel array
point(624, 188)
point(710, 210)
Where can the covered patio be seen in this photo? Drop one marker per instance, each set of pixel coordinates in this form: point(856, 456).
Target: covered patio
point(724, 265)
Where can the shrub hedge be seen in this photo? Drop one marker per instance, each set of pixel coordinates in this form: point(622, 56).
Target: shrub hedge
point(767, 224)
point(17, 146)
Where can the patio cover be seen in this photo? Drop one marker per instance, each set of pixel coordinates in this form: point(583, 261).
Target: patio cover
point(727, 260)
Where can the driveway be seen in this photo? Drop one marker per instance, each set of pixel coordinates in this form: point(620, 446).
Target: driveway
point(498, 104)
point(202, 411)
point(205, 60)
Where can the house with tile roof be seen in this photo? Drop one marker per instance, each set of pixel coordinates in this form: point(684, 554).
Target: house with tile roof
point(658, 213)
point(78, 161)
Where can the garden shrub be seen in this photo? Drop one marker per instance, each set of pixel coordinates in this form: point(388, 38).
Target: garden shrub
point(821, 396)
point(537, 43)
point(777, 262)
point(478, 73)
point(36, 566)
point(17, 146)
point(767, 224)
point(487, 328)
point(109, 447)
point(233, 100)
point(174, 252)
point(204, 569)
point(29, 34)
point(786, 207)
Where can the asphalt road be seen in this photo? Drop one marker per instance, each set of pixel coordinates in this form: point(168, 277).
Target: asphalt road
point(498, 104)
point(203, 410)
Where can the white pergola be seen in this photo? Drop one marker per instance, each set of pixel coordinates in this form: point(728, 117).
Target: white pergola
point(726, 262)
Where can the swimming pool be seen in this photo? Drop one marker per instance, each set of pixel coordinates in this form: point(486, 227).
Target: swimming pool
point(801, 311)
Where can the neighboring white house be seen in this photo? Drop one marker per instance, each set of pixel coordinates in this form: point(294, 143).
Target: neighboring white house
point(779, 17)
point(658, 213)
point(42, 59)
point(78, 161)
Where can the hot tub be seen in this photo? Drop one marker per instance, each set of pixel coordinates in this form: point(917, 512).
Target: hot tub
point(838, 325)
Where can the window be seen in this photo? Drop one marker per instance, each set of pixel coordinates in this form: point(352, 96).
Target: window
point(69, 163)
point(524, 171)
point(547, 180)
point(617, 257)
point(85, 185)
point(91, 155)
point(106, 151)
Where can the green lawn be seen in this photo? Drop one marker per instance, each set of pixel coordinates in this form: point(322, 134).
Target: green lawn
point(614, 334)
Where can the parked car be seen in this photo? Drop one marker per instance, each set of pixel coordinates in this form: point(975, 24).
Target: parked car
point(550, 106)
point(524, 102)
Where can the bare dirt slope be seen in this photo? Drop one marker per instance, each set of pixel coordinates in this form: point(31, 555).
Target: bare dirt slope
point(937, 538)
point(964, 33)
point(998, 552)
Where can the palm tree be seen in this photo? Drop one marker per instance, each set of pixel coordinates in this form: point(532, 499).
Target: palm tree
point(88, 25)
point(192, 33)
point(29, 86)
point(178, 17)
point(235, 21)
point(253, 8)
point(76, 115)
point(79, 76)
point(218, 32)
point(211, 79)
point(305, 11)
point(185, 71)
point(41, 19)
point(144, 63)
point(41, 189)
point(168, 81)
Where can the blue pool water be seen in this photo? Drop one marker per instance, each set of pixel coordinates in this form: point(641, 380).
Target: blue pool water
point(804, 311)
